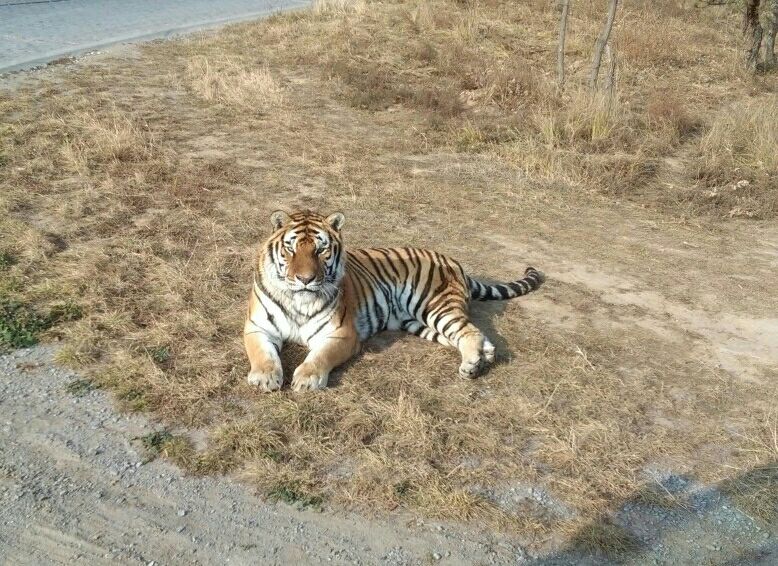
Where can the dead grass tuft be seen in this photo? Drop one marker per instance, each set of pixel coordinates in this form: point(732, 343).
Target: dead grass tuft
point(603, 538)
point(756, 489)
point(338, 6)
point(229, 83)
point(92, 138)
point(741, 141)
point(668, 111)
point(583, 119)
point(735, 162)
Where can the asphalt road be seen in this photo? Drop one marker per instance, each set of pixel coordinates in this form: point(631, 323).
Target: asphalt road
point(33, 32)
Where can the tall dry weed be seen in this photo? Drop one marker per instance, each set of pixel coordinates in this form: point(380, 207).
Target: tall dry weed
point(104, 137)
point(741, 142)
point(232, 84)
point(330, 7)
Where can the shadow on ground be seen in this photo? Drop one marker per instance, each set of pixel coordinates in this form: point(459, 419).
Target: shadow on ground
point(482, 314)
point(675, 520)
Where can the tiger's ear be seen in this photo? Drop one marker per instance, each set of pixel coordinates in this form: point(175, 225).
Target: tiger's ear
point(336, 220)
point(278, 219)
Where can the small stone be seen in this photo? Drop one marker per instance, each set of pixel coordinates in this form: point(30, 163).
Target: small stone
point(436, 556)
point(181, 512)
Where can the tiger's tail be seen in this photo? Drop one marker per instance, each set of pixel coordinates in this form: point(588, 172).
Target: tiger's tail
point(531, 281)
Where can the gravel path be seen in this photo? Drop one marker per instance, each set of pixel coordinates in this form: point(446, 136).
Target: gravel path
point(74, 486)
point(35, 32)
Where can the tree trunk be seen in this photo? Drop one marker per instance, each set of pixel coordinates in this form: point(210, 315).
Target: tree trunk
point(560, 50)
point(769, 44)
point(602, 41)
point(752, 32)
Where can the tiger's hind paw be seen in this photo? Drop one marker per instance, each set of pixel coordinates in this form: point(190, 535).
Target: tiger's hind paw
point(471, 369)
point(488, 351)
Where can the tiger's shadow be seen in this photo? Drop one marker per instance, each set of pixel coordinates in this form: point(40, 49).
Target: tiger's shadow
point(482, 314)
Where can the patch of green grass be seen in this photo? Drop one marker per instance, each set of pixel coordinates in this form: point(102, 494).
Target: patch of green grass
point(21, 324)
point(133, 399)
point(401, 489)
point(292, 494)
point(6, 260)
point(160, 354)
point(66, 312)
point(156, 440)
point(9, 285)
point(80, 387)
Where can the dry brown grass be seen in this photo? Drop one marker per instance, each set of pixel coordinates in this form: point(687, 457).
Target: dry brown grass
point(736, 159)
point(338, 6)
point(229, 83)
point(139, 189)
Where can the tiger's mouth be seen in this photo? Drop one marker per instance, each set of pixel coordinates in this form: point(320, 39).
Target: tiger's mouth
point(310, 289)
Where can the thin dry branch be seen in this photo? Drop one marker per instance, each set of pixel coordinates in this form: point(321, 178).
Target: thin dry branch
point(602, 41)
point(564, 6)
point(610, 79)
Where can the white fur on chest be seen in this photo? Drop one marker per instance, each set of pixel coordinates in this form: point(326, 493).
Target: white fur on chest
point(305, 319)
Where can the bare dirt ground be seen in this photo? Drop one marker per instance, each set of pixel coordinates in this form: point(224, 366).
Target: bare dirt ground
point(631, 415)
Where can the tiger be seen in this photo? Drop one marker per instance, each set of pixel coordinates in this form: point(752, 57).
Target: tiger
point(308, 289)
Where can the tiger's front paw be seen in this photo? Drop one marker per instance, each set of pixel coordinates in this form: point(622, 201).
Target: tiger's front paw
point(308, 377)
point(269, 380)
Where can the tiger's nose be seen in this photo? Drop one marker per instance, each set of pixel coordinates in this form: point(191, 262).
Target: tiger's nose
point(305, 279)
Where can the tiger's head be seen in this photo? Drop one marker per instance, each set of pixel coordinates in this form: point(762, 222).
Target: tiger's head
point(304, 256)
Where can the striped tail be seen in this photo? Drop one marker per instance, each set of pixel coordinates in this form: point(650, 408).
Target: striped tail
point(531, 281)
